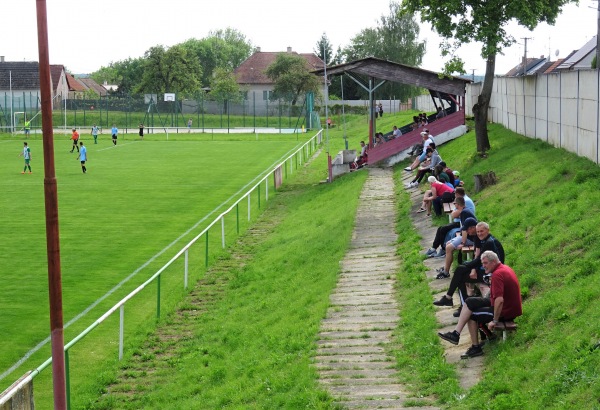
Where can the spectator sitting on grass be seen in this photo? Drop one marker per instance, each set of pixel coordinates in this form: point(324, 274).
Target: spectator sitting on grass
point(472, 271)
point(497, 311)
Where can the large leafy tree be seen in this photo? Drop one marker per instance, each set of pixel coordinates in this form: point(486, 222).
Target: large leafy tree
point(394, 39)
point(292, 77)
point(126, 74)
point(223, 86)
point(170, 70)
point(225, 49)
point(464, 21)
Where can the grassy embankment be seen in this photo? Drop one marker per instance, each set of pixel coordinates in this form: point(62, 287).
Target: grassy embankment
point(544, 209)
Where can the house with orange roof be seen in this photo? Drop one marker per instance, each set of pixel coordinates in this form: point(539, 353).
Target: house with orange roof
point(251, 74)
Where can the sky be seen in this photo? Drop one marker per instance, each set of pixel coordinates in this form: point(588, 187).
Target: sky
point(86, 35)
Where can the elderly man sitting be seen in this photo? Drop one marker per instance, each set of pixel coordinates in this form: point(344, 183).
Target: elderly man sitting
point(502, 307)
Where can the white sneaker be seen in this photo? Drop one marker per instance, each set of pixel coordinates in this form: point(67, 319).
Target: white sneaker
point(408, 169)
point(414, 184)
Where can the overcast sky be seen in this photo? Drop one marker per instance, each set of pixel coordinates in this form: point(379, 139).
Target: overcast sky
point(85, 35)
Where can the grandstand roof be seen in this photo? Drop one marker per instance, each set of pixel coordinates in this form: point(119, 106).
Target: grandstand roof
point(388, 70)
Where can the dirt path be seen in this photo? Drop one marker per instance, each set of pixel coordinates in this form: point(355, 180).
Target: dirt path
point(352, 357)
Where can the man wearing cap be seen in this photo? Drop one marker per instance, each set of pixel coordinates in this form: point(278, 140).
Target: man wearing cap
point(466, 238)
point(472, 271)
point(497, 311)
point(427, 139)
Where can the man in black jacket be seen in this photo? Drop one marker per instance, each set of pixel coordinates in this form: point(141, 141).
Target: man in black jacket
point(472, 271)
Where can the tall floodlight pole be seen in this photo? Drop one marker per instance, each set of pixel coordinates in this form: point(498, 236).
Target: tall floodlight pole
point(598, 39)
point(343, 112)
point(51, 202)
point(329, 167)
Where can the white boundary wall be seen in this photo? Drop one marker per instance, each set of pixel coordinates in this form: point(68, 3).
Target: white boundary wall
point(562, 109)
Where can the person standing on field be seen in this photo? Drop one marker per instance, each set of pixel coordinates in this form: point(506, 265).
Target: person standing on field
point(141, 133)
point(114, 131)
point(189, 125)
point(95, 130)
point(26, 154)
point(27, 128)
point(75, 138)
point(82, 156)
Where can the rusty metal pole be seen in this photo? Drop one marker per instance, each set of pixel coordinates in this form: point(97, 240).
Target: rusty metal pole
point(51, 202)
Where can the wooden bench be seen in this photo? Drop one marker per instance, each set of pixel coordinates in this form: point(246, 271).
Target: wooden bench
point(505, 328)
point(448, 208)
point(468, 253)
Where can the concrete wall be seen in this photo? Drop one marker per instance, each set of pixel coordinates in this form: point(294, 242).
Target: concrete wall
point(562, 108)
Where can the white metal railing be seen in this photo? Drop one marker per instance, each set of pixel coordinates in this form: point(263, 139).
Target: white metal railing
point(301, 155)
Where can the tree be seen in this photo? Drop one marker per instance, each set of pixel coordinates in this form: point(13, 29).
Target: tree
point(170, 70)
point(292, 77)
point(223, 86)
point(125, 74)
point(394, 39)
point(464, 21)
point(324, 50)
point(225, 49)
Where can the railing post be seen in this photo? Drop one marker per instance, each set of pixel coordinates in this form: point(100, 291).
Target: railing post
point(67, 379)
point(206, 252)
point(248, 207)
point(266, 189)
point(185, 269)
point(258, 190)
point(121, 330)
point(237, 217)
point(158, 296)
point(223, 232)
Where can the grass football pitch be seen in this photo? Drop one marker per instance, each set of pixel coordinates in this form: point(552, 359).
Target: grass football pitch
point(139, 203)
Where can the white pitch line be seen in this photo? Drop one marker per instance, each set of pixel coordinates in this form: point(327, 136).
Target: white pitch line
point(110, 292)
point(117, 146)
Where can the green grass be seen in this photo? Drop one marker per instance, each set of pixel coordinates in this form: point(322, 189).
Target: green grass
point(136, 200)
point(544, 209)
point(148, 198)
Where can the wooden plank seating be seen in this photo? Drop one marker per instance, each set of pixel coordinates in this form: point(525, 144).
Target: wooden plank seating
point(505, 328)
point(448, 208)
point(468, 253)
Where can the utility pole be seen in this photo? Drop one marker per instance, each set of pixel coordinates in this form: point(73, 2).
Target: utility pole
point(598, 39)
point(525, 55)
point(473, 74)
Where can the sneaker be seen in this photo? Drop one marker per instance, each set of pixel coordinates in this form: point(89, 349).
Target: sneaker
point(430, 252)
point(451, 337)
point(408, 169)
point(444, 301)
point(440, 254)
point(443, 275)
point(473, 351)
point(23, 172)
point(457, 313)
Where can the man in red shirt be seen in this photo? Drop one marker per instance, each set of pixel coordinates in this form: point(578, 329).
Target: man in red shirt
point(75, 138)
point(500, 309)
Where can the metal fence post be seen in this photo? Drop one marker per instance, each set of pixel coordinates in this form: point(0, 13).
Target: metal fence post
point(158, 297)
point(223, 232)
point(121, 330)
point(248, 207)
point(185, 271)
point(258, 190)
point(237, 217)
point(206, 251)
point(67, 379)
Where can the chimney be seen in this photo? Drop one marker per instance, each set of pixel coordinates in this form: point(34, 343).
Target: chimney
point(1, 59)
point(289, 49)
point(257, 50)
